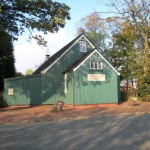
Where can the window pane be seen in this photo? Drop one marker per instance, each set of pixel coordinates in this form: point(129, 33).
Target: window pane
point(101, 65)
point(96, 65)
point(82, 46)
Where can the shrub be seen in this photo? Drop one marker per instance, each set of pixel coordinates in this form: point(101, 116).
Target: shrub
point(144, 92)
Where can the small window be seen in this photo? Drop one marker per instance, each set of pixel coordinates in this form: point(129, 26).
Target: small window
point(96, 65)
point(82, 46)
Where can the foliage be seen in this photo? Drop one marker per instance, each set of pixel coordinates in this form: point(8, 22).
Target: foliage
point(18, 74)
point(43, 15)
point(144, 88)
point(7, 67)
point(18, 16)
point(144, 91)
point(132, 40)
point(125, 52)
point(29, 72)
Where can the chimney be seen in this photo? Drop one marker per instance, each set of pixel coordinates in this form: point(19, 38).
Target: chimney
point(47, 54)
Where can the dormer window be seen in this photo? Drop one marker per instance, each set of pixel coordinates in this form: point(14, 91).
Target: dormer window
point(96, 65)
point(82, 46)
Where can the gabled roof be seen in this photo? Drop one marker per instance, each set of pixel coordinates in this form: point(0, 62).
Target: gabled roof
point(85, 56)
point(78, 62)
point(48, 63)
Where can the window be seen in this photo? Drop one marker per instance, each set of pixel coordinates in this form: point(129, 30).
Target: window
point(65, 83)
point(96, 65)
point(82, 46)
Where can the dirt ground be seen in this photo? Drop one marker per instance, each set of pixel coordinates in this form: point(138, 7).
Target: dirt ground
point(23, 114)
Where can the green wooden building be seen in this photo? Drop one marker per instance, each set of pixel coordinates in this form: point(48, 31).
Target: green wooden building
point(77, 74)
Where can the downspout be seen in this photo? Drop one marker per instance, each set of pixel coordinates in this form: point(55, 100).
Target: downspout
point(118, 82)
point(73, 90)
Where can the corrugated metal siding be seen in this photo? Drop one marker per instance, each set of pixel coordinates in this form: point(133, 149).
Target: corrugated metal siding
point(69, 95)
point(118, 83)
point(90, 92)
point(27, 90)
point(53, 85)
point(49, 87)
point(44, 89)
point(53, 79)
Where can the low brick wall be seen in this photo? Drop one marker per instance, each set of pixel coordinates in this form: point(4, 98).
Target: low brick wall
point(93, 105)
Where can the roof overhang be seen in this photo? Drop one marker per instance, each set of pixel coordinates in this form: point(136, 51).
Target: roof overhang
point(96, 51)
point(82, 36)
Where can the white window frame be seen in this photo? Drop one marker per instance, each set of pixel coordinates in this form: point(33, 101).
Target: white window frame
point(65, 83)
point(82, 46)
point(96, 65)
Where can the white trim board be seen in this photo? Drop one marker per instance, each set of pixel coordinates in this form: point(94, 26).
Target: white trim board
point(96, 51)
point(82, 36)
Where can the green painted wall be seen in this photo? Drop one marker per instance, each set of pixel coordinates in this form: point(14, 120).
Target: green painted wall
point(53, 80)
point(69, 95)
point(49, 87)
point(95, 92)
point(26, 90)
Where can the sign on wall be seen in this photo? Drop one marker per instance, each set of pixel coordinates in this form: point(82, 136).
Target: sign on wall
point(10, 91)
point(96, 77)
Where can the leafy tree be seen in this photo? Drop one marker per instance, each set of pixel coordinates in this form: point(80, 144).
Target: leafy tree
point(43, 15)
point(137, 12)
point(17, 16)
point(29, 72)
point(18, 74)
point(7, 67)
point(124, 52)
point(114, 26)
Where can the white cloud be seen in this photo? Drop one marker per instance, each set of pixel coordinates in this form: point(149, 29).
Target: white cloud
point(30, 55)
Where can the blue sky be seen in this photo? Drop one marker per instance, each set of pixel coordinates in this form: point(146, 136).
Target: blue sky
point(30, 55)
point(79, 9)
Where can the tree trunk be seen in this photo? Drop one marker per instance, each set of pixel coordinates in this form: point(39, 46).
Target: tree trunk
point(127, 88)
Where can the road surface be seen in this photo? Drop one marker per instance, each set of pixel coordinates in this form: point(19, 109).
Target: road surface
point(107, 133)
